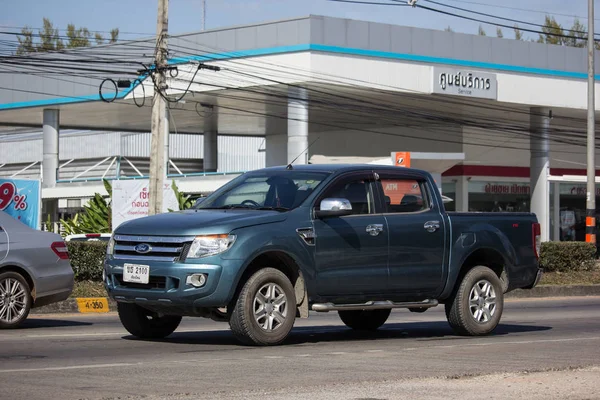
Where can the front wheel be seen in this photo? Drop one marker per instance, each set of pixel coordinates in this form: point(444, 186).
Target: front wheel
point(144, 323)
point(364, 320)
point(478, 303)
point(265, 310)
point(15, 300)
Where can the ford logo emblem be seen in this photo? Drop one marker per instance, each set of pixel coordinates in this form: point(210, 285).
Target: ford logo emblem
point(142, 248)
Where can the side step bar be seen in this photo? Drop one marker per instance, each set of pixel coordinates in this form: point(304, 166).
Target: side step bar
point(373, 305)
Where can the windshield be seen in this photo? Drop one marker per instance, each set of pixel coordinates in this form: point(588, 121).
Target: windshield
point(265, 190)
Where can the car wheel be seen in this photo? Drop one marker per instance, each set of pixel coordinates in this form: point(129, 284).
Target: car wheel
point(478, 303)
point(364, 320)
point(146, 324)
point(15, 300)
point(265, 310)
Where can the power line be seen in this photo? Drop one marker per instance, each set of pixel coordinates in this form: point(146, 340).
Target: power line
point(498, 17)
point(396, 2)
point(367, 2)
point(493, 23)
point(518, 9)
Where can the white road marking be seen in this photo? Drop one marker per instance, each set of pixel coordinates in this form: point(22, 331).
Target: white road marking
point(69, 367)
point(117, 365)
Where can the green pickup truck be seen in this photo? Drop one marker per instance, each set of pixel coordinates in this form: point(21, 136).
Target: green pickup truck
point(274, 244)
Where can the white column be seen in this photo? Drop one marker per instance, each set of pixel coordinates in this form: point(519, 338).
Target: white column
point(297, 134)
point(275, 150)
point(51, 127)
point(556, 212)
point(462, 194)
point(167, 139)
point(211, 140)
point(539, 124)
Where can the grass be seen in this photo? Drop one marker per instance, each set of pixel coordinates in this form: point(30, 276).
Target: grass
point(572, 278)
point(96, 289)
point(89, 289)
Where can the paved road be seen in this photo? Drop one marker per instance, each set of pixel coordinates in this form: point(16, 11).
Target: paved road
point(92, 357)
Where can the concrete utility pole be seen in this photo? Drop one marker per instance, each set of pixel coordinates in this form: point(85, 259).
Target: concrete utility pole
point(590, 221)
point(157, 144)
point(203, 15)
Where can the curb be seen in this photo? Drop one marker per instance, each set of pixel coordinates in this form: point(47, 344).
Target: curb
point(555, 291)
point(74, 305)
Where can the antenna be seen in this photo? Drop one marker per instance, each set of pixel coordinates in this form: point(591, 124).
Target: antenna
point(289, 166)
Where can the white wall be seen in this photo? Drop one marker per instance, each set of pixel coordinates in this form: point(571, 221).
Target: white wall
point(368, 144)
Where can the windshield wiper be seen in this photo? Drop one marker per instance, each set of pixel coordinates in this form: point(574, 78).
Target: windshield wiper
point(229, 206)
point(274, 208)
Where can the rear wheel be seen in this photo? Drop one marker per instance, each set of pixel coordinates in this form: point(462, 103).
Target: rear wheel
point(364, 320)
point(15, 300)
point(478, 303)
point(265, 310)
point(146, 324)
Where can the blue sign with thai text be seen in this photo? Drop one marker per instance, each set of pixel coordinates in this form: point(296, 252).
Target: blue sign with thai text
point(20, 198)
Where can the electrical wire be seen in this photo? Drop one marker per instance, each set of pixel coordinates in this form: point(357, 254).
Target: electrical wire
point(518, 9)
point(395, 2)
point(498, 17)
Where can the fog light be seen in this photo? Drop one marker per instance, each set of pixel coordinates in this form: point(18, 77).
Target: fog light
point(103, 275)
point(196, 280)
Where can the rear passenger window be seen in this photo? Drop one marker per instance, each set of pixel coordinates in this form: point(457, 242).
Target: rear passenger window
point(404, 195)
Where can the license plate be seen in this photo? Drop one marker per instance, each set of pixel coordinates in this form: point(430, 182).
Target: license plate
point(136, 273)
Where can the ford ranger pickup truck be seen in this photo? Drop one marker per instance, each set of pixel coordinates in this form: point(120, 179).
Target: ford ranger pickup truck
point(275, 243)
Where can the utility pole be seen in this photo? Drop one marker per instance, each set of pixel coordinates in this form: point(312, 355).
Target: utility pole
point(203, 15)
point(590, 221)
point(157, 144)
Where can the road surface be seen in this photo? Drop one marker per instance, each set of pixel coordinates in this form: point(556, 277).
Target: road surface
point(92, 357)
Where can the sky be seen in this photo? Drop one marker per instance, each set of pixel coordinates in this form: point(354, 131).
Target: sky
point(139, 16)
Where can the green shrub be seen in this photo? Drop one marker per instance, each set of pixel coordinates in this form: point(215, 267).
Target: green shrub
point(87, 260)
point(567, 256)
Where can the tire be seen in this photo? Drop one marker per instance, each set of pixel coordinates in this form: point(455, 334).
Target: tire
point(145, 324)
point(364, 320)
point(15, 300)
point(265, 310)
point(477, 305)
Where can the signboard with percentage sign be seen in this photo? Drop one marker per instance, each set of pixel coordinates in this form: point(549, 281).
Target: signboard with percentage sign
point(21, 199)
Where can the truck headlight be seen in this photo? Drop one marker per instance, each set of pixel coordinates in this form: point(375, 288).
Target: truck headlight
point(110, 247)
point(209, 245)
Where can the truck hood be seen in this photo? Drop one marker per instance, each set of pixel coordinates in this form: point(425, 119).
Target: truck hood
point(198, 222)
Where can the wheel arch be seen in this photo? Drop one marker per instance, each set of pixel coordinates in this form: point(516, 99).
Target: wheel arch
point(484, 256)
point(24, 273)
point(284, 262)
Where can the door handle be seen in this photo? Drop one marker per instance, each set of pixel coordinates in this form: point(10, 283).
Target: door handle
point(432, 226)
point(374, 229)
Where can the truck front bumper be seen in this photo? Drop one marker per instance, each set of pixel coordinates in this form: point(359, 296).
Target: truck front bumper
point(168, 287)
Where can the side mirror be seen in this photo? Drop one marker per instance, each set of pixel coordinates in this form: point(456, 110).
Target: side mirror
point(198, 201)
point(334, 207)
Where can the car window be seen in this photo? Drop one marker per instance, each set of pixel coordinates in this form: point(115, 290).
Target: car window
point(358, 191)
point(404, 195)
point(265, 189)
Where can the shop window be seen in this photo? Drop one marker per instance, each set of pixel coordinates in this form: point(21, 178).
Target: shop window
point(404, 196)
point(499, 197)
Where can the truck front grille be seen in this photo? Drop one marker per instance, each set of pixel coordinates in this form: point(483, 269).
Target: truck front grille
point(152, 248)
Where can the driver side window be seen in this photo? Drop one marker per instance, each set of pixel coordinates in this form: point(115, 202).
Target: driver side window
point(356, 190)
